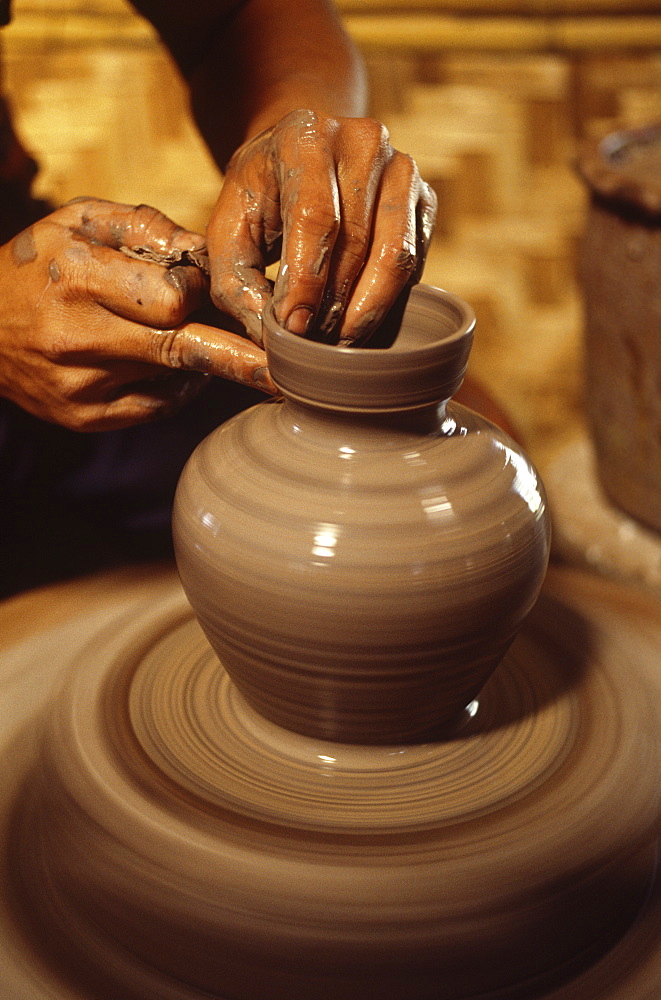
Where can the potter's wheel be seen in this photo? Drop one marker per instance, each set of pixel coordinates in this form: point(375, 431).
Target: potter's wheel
point(148, 758)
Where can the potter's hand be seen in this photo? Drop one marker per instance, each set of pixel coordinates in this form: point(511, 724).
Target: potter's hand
point(354, 216)
point(92, 336)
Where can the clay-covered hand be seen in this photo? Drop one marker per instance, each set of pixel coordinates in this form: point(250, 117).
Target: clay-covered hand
point(347, 215)
point(94, 333)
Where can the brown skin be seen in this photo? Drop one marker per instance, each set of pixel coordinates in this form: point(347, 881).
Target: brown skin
point(93, 339)
point(354, 216)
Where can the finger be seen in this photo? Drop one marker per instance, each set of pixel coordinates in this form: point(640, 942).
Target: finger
point(149, 386)
point(133, 227)
point(397, 251)
point(310, 208)
point(243, 230)
point(102, 407)
point(364, 152)
point(426, 219)
point(193, 347)
point(87, 397)
point(136, 290)
point(162, 393)
point(202, 348)
point(124, 394)
point(107, 380)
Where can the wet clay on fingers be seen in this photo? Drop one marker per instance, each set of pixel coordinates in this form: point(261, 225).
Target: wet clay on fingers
point(96, 328)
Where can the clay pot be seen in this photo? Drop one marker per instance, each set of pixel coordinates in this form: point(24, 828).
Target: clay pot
point(361, 552)
point(620, 267)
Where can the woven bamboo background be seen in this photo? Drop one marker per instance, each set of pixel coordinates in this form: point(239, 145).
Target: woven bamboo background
point(492, 99)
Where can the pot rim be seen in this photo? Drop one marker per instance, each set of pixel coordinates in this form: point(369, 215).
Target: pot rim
point(425, 364)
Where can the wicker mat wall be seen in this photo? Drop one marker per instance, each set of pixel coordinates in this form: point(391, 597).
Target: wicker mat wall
point(492, 98)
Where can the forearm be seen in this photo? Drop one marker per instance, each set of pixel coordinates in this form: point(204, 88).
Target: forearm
point(279, 92)
point(253, 62)
point(295, 54)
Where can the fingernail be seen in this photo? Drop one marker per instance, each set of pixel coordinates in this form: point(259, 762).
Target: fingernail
point(178, 277)
point(299, 320)
point(186, 240)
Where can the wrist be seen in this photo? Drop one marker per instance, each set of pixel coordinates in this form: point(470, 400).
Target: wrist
point(304, 92)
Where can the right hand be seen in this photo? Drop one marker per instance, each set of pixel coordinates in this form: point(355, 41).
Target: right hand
point(94, 339)
point(354, 216)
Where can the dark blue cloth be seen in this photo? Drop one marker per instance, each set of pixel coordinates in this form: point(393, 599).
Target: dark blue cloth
point(71, 503)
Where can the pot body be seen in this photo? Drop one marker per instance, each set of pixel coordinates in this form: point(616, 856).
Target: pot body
point(621, 268)
point(360, 573)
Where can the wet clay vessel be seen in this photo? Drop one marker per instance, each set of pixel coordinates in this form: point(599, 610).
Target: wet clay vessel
point(361, 552)
point(342, 800)
point(621, 270)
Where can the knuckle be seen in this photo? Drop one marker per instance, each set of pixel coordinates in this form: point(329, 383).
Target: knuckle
point(181, 351)
point(188, 283)
point(376, 134)
point(112, 416)
point(79, 402)
point(367, 141)
point(68, 281)
point(58, 346)
point(399, 260)
point(320, 218)
point(80, 418)
point(146, 213)
point(302, 119)
point(148, 223)
point(354, 246)
point(406, 165)
point(168, 348)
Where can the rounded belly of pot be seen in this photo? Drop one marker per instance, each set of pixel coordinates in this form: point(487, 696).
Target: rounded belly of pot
point(367, 602)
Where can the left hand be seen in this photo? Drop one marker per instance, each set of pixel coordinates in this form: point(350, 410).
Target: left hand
point(96, 334)
point(347, 215)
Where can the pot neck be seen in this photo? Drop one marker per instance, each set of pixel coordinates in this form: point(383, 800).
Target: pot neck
point(426, 419)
